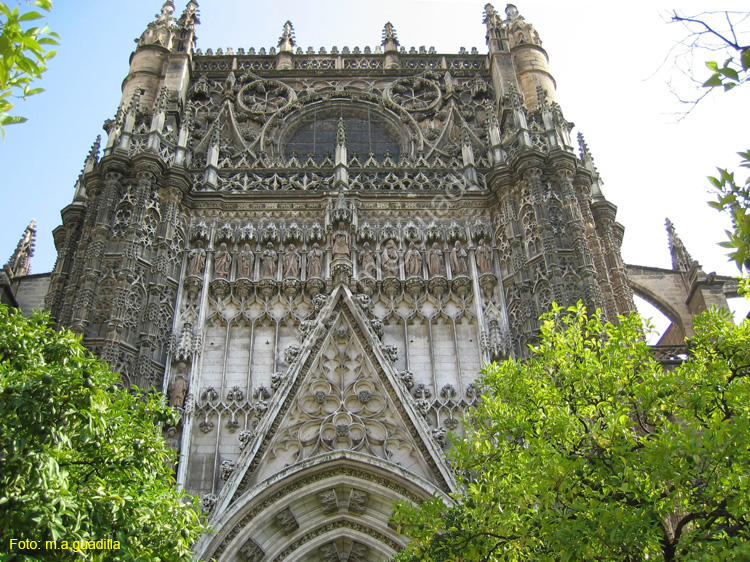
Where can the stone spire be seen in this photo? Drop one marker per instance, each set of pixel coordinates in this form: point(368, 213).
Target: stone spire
point(190, 16)
point(588, 162)
point(390, 39)
point(494, 24)
point(519, 31)
point(681, 259)
point(19, 263)
point(341, 174)
point(287, 39)
point(91, 159)
point(160, 31)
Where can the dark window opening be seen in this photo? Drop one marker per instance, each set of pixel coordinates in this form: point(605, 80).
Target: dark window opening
point(365, 137)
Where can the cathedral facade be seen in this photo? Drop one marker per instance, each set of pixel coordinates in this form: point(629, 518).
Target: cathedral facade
point(313, 254)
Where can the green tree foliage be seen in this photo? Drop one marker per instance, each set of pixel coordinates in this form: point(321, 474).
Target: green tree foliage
point(23, 56)
point(81, 459)
point(728, 33)
point(589, 450)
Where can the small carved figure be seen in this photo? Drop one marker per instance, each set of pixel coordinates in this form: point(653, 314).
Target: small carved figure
point(291, 262)
point(222, 262)
point(458, 260)
point(268, 262)
point(484, 257)
point(413, 261)
point(368, 261)
point(196, 259)
point(171, 438)
point(341, 242)
point(435, 260)
point(178, 388)
point(245, 262)
point(314, 261)
point(389, 260)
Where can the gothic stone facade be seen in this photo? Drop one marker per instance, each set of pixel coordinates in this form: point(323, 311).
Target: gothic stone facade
point(314, 253)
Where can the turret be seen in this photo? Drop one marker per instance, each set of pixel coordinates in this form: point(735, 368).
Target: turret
point(286, 47)
point(165, 40)
point(528, 65)
point(390, 46)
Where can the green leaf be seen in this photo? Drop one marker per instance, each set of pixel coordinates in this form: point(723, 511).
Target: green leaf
point(29, 16)
point(715, 80)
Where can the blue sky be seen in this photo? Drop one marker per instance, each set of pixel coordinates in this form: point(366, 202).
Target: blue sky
point(611, 62)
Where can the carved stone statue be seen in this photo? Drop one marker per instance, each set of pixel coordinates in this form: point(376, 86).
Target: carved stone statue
point(291, 262)
point(484, 257)
point(389, 260)
point(196, 259)
point(413, 261)
point(314, 261)
point(458, 260)
point(435, 260)
point(245, 262)
point(222, 262)
point(178, 388)
point(368, 261)
point(268, 262)
point(341, 242)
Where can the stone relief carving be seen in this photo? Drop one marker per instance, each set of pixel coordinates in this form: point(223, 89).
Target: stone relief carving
point(287, 521)
point(435, 260)
point(291, 262)
point(341, 241)
point(227, 468)
point(245, 262)
point(483, 257)
point(458, 260)
point(358, 501)
point(268, 262)
point(314, 261)
point(196, 259)
point(342, 405)
point(367, 257)
point(179, 386)
point(328, 501)
point(389, 260)
point(413, 261)
point(222, 262)
point(251, 551)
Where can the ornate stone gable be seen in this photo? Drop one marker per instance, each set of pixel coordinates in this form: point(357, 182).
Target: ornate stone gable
point(340, 393)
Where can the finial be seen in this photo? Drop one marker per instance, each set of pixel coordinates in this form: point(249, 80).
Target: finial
point(189, 17)
point(216, 135)
point(586, 157)
point(389, 34)
point(465, 137)
point(135, 101)
point(160, 31)
point(512, 12)
point(20, 262)
point(287, 39)
point(341, 132)
point(489, 108)
point(541, 96)
point(514, 98)
point(161, 101)
point(94, 152)
point(681, 259)
point(491, 17)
